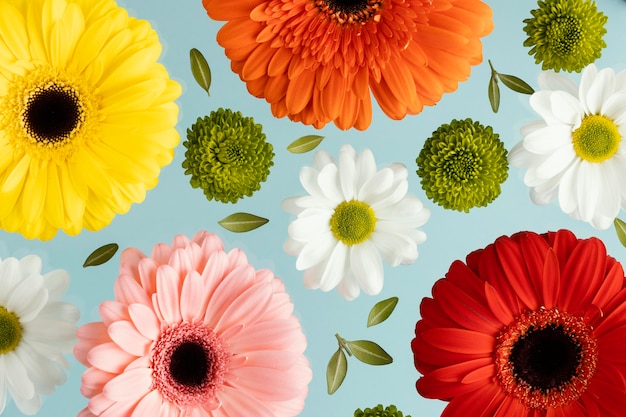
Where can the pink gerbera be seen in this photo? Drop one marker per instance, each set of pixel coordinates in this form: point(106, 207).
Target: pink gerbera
point(194, 331)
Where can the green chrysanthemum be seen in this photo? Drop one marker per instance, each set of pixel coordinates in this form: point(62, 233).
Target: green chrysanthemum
point(378, 411)
point(565, 34)
point(462, 165)
point(227, 155)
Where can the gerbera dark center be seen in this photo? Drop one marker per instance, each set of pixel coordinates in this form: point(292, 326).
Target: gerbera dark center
point(347, 6)
point(189, 364)
point(52, 114)
point(546, 358)
point(355, 12)
point(10, 331)
point(564, 35)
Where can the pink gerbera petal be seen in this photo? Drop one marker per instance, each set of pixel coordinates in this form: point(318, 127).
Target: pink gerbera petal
point(194, 332)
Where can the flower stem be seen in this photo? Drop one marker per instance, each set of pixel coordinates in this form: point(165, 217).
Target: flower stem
point(343, 344)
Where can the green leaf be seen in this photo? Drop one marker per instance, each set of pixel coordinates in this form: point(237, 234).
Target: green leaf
point(101, 255)
point(336, 371)
point(200, 69)
point(494, 93)
point(305, 144)
point(515, 84)
point(381, 311)
point(369, 352)
point(620, 228)
point(242, 222)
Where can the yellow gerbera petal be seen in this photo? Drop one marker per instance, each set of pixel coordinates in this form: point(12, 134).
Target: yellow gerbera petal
point(64, 35)
point(116, 128)
point(55, 210)
point(13, 31)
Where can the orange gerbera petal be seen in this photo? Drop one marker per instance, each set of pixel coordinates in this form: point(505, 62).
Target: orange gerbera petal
point(406, 53)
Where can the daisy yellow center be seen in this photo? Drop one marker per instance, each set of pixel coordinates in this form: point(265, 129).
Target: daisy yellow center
point(346, 12)
point(564, 35)
point(10, 331)
point(48, 114)
point(546, 358)
point(596, 139)
point(352, 222)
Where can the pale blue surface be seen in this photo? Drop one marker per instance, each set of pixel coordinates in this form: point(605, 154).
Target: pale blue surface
point(173, 207)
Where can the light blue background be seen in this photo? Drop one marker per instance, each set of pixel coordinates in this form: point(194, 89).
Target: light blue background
point(173, 207)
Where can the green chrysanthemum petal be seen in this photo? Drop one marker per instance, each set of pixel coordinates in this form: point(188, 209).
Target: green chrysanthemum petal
point(565, 34)
point(378, 411)
point(227, 156)
point(462, 165)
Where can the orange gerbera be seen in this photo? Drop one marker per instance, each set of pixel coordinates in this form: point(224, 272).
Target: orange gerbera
point(316, 61)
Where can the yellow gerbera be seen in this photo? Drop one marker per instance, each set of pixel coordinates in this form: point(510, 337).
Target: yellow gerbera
point(87, 114)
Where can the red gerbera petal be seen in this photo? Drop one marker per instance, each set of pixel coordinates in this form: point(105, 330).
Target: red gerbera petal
point(530, 326)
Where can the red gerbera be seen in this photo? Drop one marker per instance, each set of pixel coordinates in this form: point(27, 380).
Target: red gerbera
point(317, 60)
point(531, 326)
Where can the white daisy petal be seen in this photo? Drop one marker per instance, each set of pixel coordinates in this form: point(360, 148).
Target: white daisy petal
point(335, 268)
point(308, 178)
point(44, 373)
point(367, 267)
point(541, 102)
point(589, 186)
point(608, 200)
point(346, 253)
point(28, 406)
point(293, 247)
point(28, 298)
point(30, 265)
point(365, 168)
point(531, 127)
point(10, 273)
point(3, 389)
point(56, 282)
point(328, 182)
point(586, 81)
point(548, 139)
point(520, 157)
point(615, 108)
point(395, 248)
point(347, 171)
point(316, 251)
point(348, 288)
point(321, 159)
point(305, 229)
point(600, 89)
point(550, 80)
point(568, 189)
point(555, 163)
point(290, 205)
point(371, 191)
point(17, 376)
point(620, 81)
point(566, 108)
point(587, 192)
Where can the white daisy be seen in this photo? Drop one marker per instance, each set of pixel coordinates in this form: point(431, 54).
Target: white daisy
point(353, 218)
point(577, 152)
point(36, 330)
